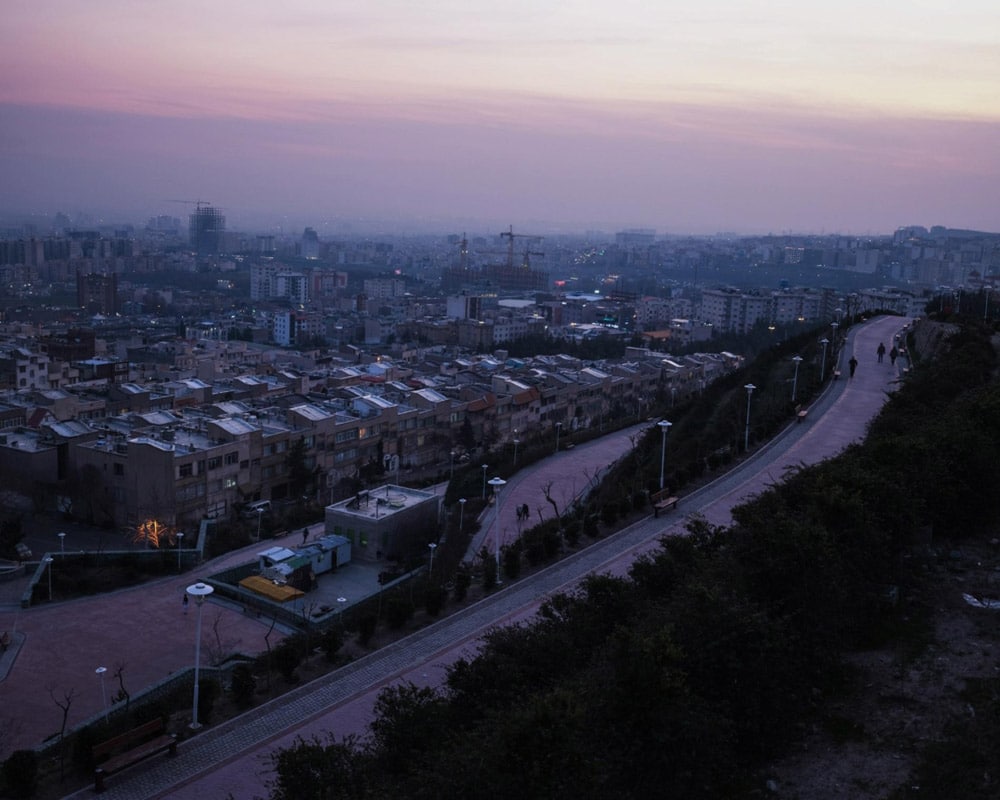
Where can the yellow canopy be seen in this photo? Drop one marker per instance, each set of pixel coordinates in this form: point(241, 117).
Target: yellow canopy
point(271, 590)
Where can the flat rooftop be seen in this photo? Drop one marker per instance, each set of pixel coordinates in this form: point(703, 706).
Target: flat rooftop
point(381, 502)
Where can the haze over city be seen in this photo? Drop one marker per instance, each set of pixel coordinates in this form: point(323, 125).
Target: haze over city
point(721, 116)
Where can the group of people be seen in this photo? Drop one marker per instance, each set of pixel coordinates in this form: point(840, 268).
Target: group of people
point(880, 353)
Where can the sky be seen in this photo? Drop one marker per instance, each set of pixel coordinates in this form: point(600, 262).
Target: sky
point(550, 115)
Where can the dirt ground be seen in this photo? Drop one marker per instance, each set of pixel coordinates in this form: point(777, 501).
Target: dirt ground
point(900, 702)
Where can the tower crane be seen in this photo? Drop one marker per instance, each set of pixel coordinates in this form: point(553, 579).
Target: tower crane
point(528, 252)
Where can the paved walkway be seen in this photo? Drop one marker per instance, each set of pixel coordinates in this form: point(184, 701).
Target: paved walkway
point(65, 647)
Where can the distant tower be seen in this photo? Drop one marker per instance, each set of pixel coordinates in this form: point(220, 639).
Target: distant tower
point(310, 244)
point(207, 226)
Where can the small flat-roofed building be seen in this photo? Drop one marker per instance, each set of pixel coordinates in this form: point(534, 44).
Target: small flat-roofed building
point(391, 522)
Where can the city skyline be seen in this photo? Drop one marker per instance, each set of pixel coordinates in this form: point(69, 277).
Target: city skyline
point(728, 117)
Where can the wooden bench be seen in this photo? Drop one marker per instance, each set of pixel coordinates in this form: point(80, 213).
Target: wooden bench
point(800, 413)
point(129, 748)
point(663, 500)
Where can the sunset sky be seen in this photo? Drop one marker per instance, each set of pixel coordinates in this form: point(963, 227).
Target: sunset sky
point(693, 117)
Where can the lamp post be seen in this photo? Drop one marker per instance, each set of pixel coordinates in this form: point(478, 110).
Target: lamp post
point(497, 483)
point(260, 516)
point(48, 562)
point(430, 568)
point(515, 447)
point(180, 541)
point(795, 377)
point(341, 602)
point(834, 325)
point(664, 427)
point(822, 364)
point(62, 545)
point(558, 429)
point(484, 480)
point(104, 697)
point(199, 591)
point(451, 469)
point(461, 514)
point(746, 436)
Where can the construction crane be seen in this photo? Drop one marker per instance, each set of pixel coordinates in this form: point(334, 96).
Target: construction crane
point(528, 252)
point(198, 203)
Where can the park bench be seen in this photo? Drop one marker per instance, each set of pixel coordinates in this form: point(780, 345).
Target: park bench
point(836, 374)
point(800, 413)
point(129, 748)
point(663, 500)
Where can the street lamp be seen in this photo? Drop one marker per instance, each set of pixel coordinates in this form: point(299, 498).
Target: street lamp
point(199, 591)
point(515, 447)
point(180, 541)
point(822, 364)
point(558, 429)
point(461, 514)
point(260, 516)
point(795, 378)
point(484, 480)
point(104, 697)
point(341, 601)
point(430, 568)
point(451, 475)
point(62, 545)
point(48, 561)
point(834, 325)
point(497, 483)
point(746, 436)
point(664, 427)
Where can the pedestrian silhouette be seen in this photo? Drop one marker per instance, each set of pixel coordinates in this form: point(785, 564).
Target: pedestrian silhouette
point(880, 352)
point(893, 354)
point(184, 602)
point(305, 535)
point(853, 363)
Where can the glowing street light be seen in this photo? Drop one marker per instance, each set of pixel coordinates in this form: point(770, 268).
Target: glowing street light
point(430, 568)
point(515, 446)
point(558, 429)
point(664, 426)
point(180, 541)
point(260, 516)
point(822, 364)
point(795, 378)
point(62, 545)
point(746, 436)
point(199, 591)
point(497, 484)
point(461, 514)
point(484, 480)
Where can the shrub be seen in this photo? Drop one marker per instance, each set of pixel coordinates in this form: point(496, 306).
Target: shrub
point(434, 599)
point(287, 659)
point(244, 686)
point(208, 692)
point(366, 629)
point(20, 773)
point(463, 580)
point(331, 641)
point(512, 562)
point(397, 611)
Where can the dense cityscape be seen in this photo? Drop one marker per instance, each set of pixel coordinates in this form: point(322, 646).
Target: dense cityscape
point(385, 355)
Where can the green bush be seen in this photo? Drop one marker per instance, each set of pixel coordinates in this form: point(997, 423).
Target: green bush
point(366, 629)
point(287, 659)
point(463, 580)
point(331, 641)
point(434, 599)
point(20, 773)
point(397, 612)
point(208, 692)
point(244, 686)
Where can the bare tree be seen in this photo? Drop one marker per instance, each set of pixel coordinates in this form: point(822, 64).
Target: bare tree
point(221, 648)
point(122, 692)
point(65, 704)
point(547, 491)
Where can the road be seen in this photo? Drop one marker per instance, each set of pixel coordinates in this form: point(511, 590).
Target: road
point(233, 757)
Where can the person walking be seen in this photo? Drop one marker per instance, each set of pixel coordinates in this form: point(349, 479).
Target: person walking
point(184, 602)
point(880, 351)
point(853, 364)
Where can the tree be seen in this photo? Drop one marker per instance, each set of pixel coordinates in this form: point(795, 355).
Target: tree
point(299, 475)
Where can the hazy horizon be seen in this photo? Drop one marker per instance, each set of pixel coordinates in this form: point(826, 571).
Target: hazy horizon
point(731, 116)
